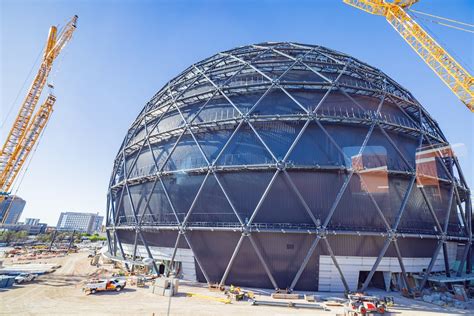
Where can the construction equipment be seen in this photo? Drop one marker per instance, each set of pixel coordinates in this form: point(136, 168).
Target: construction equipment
point(94, 286)
point(27, 128)
point(359, 304)
point(211, 298)
point(458, 79)
point(288, 304)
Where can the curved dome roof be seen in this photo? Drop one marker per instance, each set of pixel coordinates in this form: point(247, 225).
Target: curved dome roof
point(283, 79)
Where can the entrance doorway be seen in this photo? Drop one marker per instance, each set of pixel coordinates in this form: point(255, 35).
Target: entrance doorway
point(377, 281)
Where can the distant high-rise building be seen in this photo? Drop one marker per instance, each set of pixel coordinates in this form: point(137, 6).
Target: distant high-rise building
point(98, 223)
point(82, 222)
point(11, 208)
point(32, 221)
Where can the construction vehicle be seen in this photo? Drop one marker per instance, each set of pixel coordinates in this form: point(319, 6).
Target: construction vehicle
point(362, 305)
point(458, 79)
point(25, 277)
point(27, 127)
point(94, 286)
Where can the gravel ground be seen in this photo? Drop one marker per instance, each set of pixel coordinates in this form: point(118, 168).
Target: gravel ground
point(59, 293)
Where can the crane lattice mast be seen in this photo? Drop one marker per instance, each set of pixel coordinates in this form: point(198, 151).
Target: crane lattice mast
point(458, 79)
point(27, 128)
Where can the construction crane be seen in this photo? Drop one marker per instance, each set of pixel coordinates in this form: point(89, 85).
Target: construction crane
point(27, 127)
point(458, 79)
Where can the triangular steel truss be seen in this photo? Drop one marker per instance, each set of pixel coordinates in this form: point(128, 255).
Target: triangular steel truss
point(210, 97)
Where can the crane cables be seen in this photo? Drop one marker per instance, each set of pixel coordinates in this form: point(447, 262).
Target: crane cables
point(461, 25)
point(27, 79)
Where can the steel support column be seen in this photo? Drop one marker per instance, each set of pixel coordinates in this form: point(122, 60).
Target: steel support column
point(305, 262)
point(402, 266)
point(231, 261)
point(446, 259)
point(430, 266)
point(197, 259)
point(173, 256)
point(376, 264)
point(148, 251)
point(463, 259)
point(333, 257)
point(264, 263)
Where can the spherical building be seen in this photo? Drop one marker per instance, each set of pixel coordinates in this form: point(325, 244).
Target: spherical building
point(285, 165)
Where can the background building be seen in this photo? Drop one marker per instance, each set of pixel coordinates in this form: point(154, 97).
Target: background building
point(32, 221)
point(285, 165)
point(81, 222)
point(12, 208)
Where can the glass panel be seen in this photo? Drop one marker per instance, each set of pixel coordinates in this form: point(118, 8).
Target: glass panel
point(417, 217)
point(245, 189)
point(245, 149)
point(171, 120)
point(278, 135)
point(218, 108)
point(144, 165)
point(276, 102)
point(212, 206)
point(319, 190)
point(182, 189)
point(125, 210)
point(162, 150)
point(186, 155)
point(282, 206)
point(246, 96)
point(212, 141)
point(301, 74)
point(159, 209)
point(309, 99)
point(356, 210)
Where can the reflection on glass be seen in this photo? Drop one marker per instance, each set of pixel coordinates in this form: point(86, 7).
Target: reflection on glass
point(371, 165)
point(429, 164)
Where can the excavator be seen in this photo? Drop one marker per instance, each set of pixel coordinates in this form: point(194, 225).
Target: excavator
point(28, 126)
point(450, 71)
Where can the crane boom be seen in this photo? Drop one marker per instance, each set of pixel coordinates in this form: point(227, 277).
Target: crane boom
point(26, 129)
point(458, 79)
point(28, 141)
point(53, 47)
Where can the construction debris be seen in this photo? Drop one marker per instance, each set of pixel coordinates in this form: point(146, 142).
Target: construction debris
point(36, 268)
point(165, 286)
point(309, 298)
point(444, 299)
point(286, 296)
point(288, 304)
point(212, 298)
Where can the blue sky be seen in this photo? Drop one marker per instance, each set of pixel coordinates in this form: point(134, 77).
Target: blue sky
point(124, 51)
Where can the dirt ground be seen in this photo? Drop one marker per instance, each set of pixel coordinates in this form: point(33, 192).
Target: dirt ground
point(60, 293)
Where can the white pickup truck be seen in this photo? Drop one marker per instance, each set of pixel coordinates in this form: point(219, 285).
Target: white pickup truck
point(94, 286)
point(25, 277)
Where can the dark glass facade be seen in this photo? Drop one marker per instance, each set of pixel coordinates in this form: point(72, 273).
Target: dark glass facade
point(268, 156)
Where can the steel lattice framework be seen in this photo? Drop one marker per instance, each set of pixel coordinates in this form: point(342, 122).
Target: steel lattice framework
point(227, 148)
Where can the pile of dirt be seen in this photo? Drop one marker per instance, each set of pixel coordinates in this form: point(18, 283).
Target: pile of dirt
point(101, 273)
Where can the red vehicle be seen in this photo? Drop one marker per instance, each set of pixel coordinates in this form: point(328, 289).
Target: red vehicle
point(363, 305)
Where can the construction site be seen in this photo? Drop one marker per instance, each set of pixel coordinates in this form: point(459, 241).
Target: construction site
point(273, 178)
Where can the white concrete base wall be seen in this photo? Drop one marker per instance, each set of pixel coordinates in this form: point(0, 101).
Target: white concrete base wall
point(185, 256)
point(330, 280)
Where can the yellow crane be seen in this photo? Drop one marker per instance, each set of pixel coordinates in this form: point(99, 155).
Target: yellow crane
point(27, 127)
point(458, 79)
